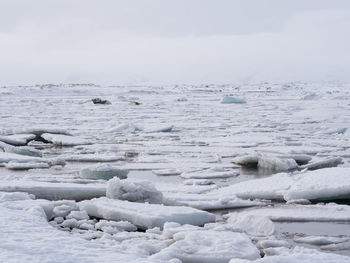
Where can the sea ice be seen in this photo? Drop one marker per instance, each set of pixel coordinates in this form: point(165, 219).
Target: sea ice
point(320, 240)
point(208, 246)
point(255, 225)
point(301, 213)
point(331, 162)
point(144, 215)
point(103, 171)
point(232, 100)
point(299, 255)
point(17, 139)
point(166, 172)
point(26, 166)
point(324, 184)
point(93, 158)
point(54, 191)
point(134, 191)
point(64, 140)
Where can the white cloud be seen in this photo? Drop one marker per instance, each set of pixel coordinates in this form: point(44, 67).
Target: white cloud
point(310, 45)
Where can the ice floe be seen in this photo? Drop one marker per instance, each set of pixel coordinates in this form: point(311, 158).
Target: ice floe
point(135, 191)
point(232, 100)
point(324, 184)
point(297, 254)
point(256, 225)
point(63, 140)
point(54, 191)
point(209, 247)
point(144, 215)
point(301, 213)
point(103, 171)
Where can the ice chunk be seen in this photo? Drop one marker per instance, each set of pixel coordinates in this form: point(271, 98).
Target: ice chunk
point(301, 213)
point(273, 243)
point(78, 215)
point(63, 140)
point(320, 240)
point(209, 174)
point(55, 191)
point(166, 172)
point(17, 139)
point(93, 158)
point(26, 166)
point(324, 184)
point(8, 157)
point(162, 129)
point(232, 100)
point(337, 247)
point(124, 128)
point(247, 160)
point(299, 255)
point(103, 171)
point(142, 214)
point(271, 163)
point(208, 201)
point(23, 150)
point(272, 187)
point(135, 191)
point(331, 162)
point(15, 196)
point(255, 225)
point(208, 246)
point(276, 164)
point(119, 226)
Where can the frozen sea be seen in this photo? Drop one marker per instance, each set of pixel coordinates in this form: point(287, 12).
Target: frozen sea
point(184, 173)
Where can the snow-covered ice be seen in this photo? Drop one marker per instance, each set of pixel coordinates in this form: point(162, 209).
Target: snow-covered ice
point(103, 171)
point(144, 215)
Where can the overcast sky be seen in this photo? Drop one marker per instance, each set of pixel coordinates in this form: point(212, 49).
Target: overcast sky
point(173, 41)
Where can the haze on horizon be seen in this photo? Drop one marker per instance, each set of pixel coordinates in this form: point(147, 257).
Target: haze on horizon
point(183, 41)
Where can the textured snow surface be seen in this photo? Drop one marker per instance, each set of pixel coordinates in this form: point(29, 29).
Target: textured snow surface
point(144, 215)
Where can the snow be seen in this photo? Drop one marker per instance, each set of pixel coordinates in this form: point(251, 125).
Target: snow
point(209, 247)
point(144, 215)
point(134, 191)
point(103, 171)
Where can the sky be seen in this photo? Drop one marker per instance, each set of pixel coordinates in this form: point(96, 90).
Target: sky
point(173, 41)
